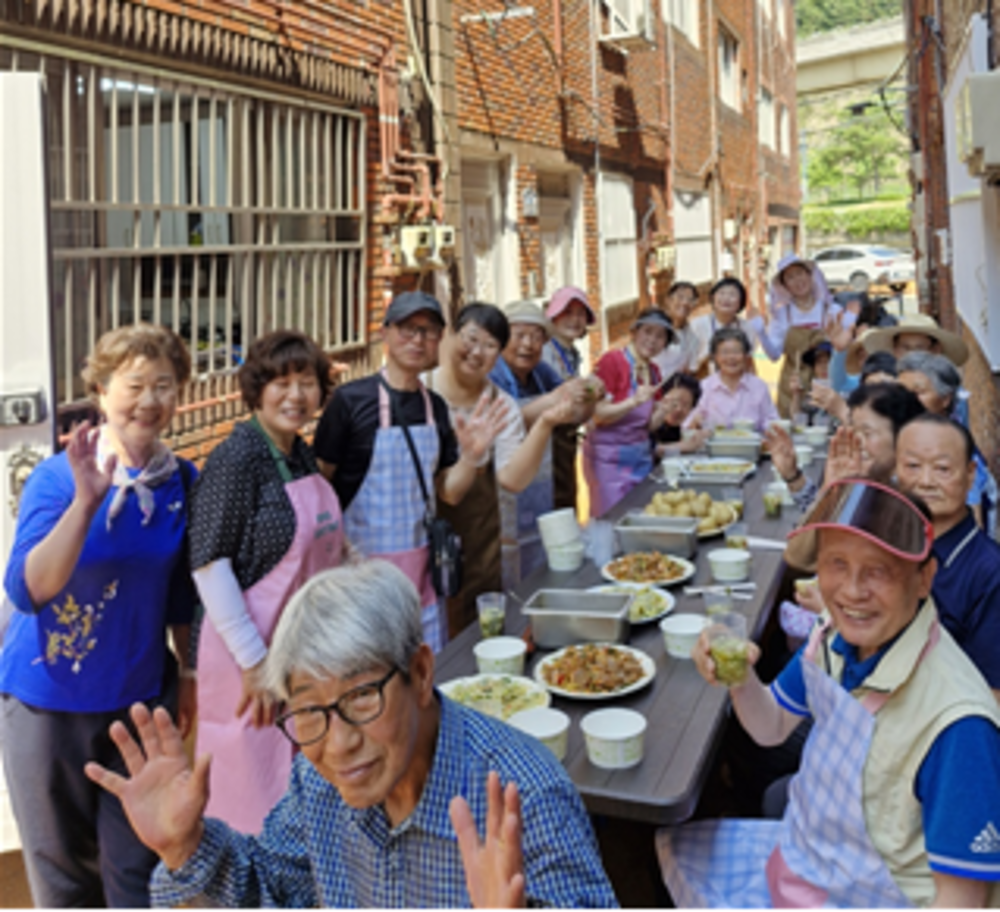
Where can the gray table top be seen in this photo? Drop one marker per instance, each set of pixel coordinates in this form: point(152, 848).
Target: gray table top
point(686, 716)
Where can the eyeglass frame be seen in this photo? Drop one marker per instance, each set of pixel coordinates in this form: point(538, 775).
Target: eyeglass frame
point(488, 346)
point(334, 707)
point(428, 331)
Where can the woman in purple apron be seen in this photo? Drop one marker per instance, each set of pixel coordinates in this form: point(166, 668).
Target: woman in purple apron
point(617, 453)
point(263, 521)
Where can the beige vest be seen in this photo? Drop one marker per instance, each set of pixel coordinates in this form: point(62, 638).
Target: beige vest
point(926, 697)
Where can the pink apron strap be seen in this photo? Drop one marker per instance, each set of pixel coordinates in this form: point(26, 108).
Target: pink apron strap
point(815, 638)
point(384, 415)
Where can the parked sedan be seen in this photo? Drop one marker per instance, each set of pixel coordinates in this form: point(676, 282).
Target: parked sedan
point(860, 266)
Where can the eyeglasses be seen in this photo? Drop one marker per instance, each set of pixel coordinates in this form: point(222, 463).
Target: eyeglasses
point(485, 344)
point(358, 706)
point(532, 336)
point(410, 331)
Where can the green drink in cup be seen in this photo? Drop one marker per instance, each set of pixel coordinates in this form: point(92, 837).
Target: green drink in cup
point(729, 647)
point(492, 608)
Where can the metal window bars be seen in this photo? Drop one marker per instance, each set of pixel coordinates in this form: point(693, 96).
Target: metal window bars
point(221, 212)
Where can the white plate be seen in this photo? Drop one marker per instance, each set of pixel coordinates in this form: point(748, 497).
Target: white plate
point(648, 673)
point(744, 469)
point(665, 599)
point(463, 690)
point(689, 571)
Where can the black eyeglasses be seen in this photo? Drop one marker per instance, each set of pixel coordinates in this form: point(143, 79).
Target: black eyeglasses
point(358, 706)
point(410, 331)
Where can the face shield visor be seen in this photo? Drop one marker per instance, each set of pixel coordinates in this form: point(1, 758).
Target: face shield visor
point(875, 512)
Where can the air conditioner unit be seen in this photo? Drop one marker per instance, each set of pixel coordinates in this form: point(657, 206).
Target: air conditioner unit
point(630, 25)
point(416, 242)
point(444, 246)
point(978, 127)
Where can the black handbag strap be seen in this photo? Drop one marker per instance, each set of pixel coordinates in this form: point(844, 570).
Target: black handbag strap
point(398, 419)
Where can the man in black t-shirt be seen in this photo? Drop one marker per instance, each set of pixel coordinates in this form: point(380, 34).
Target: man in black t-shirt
point(362, 448)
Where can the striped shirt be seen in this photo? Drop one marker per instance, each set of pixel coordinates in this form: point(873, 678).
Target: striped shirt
point(315, 850)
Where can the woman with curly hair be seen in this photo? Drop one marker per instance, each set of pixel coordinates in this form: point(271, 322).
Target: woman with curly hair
point(263, 520)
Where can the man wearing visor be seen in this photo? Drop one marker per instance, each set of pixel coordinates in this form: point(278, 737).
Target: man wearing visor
point(897, 801)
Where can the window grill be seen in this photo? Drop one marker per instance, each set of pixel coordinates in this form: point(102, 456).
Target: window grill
point(220, 212)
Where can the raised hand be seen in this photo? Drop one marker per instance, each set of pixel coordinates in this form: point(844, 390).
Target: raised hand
point(644, 392)
point(693, 442)
point(91, 480)
point(163, 796)
point(829, 400)
point(810, 598)
point(494, 866)
point(782, 449)
point(584, 393)
point(477, 433)
point(844, 459)
point(562, 411)
point(840, 336)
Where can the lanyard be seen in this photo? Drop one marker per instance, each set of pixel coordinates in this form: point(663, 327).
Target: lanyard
point(632, 370)
point(564, 357)
point(280, 460)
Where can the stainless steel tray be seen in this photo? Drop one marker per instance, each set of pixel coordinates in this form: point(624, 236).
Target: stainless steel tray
point(562, 617)
point(747, 448)
point(638, 531)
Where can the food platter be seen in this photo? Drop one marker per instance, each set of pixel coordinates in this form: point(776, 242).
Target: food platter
point(712, 467)
point(513, 693)
point(686, 569)
point(646, 667)
point(648, 604)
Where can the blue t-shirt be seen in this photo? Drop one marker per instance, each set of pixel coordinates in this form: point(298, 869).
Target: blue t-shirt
point(543, 379)
point(957, 785)
point(966, 590)
point(100, 644)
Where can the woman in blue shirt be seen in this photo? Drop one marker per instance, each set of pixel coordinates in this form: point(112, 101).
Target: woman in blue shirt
point(98, 574)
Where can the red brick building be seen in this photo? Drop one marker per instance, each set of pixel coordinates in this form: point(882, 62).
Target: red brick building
point(227, 166)
point(954, 67)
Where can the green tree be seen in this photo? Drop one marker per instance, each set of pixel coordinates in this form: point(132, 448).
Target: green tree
point(824, 15)
point(858, 153)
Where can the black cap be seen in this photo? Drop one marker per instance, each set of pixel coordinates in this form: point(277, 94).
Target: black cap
point(820, 348)
point(411, 302)
point(651, 316)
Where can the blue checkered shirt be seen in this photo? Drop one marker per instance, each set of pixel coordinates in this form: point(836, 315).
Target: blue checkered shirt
point(314, 850)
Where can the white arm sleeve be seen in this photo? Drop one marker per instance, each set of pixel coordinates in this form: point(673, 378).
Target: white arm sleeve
point(223, 600)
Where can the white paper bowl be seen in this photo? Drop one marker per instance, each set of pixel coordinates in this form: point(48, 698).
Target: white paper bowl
point(729, 565)
point(804, 456)
point(815, 436)
point(614, 737)
point(500, 655)
point(564, 558)
point(681, 632)
point(784, 423)
point(558, 527)
point(550, 726)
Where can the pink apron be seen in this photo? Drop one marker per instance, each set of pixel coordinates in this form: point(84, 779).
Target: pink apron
point(820, 853)
point(250, 766)
point(616, 457)
point(386, 518)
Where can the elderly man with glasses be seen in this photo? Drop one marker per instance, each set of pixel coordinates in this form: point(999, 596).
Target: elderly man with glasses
point(898, 797)
point(389, 447)
point(395, 799)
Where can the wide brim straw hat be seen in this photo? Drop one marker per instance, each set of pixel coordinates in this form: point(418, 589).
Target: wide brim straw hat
point(858, 352)
point(952, 345)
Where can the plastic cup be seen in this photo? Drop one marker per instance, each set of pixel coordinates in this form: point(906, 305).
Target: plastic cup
point(718, 603)
point(733, 495)
point(729, 647)
point(492, 608)
point(773, 499)
point(736, 536)
point(672, 470)
point(600, 541)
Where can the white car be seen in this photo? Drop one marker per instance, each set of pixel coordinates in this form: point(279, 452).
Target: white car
point(859, 266)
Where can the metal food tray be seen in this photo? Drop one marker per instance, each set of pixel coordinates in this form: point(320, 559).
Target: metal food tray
point(564, 617)
point(747, 448)
point(639, 531)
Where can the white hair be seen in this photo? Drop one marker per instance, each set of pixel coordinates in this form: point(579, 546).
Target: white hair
point(345, 621)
